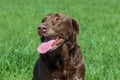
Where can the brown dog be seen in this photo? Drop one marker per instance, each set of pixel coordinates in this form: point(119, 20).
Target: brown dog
point(60, 56)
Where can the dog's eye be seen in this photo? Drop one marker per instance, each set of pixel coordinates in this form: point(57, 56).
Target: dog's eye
point(57, 19)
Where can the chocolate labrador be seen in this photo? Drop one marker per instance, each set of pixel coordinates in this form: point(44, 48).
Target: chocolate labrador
point(60, 55)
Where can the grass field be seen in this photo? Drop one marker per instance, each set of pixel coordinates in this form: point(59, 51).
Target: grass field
point(99, 38)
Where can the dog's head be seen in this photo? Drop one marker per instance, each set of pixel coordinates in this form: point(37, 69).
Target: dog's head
point(55, 30)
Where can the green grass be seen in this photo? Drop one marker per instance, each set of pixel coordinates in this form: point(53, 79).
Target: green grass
point(99, 38)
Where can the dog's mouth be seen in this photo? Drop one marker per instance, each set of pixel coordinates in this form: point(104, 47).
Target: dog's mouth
point(50, 44)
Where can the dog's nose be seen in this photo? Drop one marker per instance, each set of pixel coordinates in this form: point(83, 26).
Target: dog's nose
point(42, 29)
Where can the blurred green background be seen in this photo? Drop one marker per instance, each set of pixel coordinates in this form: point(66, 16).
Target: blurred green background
point(99, 38)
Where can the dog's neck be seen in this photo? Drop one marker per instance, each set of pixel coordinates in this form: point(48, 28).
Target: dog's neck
point(59, 56)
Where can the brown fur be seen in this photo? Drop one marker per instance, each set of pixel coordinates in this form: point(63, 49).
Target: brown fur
point(65, 62)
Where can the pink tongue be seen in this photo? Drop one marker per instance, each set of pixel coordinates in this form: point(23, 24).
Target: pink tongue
point(45, 46)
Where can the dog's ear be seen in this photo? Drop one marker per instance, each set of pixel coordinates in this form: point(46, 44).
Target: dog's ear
point(75, 26)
